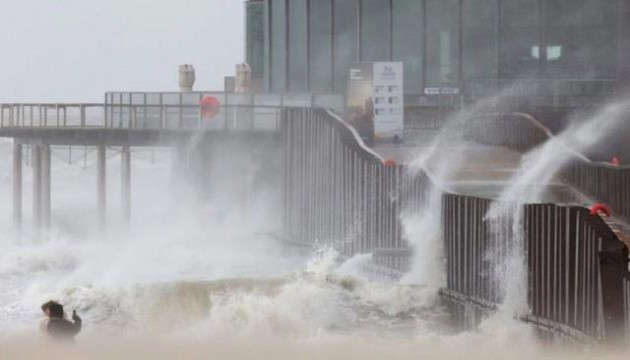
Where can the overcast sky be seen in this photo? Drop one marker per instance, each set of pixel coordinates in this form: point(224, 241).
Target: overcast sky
point(75, 50)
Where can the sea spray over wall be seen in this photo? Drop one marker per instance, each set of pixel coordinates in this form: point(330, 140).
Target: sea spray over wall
point(440, 160)
point(531, 182)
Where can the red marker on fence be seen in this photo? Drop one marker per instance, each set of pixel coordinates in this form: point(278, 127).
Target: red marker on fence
point(390, 163)
point(209, 107)
point(615, 161)
point(600, 208)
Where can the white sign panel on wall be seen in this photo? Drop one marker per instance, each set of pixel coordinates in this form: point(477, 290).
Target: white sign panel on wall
point(389, 107)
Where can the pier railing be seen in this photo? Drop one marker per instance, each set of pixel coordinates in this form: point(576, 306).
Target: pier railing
point(62, 115)
point(165, 111)
point(339, 192)
point(574, 267)
point(606, 182)
point(548, 93)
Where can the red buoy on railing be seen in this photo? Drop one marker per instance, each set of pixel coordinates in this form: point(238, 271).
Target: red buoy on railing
point(209, 107)
point(390, 163)
point(600, 209)
point(615, 161)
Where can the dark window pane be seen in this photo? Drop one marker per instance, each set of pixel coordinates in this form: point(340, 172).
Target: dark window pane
point(480, 39)
point(374, 30)
point(520, 43)
point(255, 41)
point(321, 45)
point(407, 41)
point(442, 41)
point(297, 46)
point(278, 45)
point(345, 40)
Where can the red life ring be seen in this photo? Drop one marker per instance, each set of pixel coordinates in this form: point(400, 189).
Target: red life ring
point(209, 107)
point(600, 208)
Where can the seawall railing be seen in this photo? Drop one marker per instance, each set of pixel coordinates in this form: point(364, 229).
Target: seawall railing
point(574, 264)
point(339, 192)
point(606, 182)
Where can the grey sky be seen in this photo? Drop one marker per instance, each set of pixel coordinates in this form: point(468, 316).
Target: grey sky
point(75, 50)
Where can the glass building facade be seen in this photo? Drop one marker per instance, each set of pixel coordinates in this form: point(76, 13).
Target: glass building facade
point(442, 43)
point(255, 37)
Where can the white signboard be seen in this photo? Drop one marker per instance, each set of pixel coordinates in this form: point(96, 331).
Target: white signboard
point(388, 100)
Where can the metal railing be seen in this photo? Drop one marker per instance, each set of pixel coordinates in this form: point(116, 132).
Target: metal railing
point(339, 192)
point(60, 115)
point(177, 110)
point(165, 111)
point(605, 182)
point(555, 93)
point(575, 266)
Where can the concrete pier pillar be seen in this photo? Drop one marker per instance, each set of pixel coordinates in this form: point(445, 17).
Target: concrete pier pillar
point(101, 161)
point(46, 186)
point(37, 186)
point(126, 185)
point(17, 185)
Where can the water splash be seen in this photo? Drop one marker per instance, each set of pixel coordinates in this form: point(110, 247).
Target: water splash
point(539, 169)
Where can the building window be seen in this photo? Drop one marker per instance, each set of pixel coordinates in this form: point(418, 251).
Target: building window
point(480, 52)
point(321, 46)
point(278, 45)
point(298, 41)
point(407, 40)
point(345, 40)
point(520, 39)
point(442, 42)
point(374, 30)
point(562, 29)
point(600, 29)
point(255, 38)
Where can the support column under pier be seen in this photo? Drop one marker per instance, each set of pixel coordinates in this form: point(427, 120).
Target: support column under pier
point(17, 185)
point(126, 185)
point(101, 161)
point(46, 186)
point(37, 186)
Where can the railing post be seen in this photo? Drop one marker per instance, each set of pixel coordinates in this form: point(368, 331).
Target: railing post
point(162, 115)
point(105, 112)
point(11, 115)
point(57, 119)
point(82, 115)
point(181, 111)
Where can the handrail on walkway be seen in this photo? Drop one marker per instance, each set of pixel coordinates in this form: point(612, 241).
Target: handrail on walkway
point(338, 192)
point(606, 182)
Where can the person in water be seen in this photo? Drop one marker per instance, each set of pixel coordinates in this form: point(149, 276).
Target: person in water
point(56, 326)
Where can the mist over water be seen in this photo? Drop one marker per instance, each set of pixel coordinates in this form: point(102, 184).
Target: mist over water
point(202, 275)
point(192, 267)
